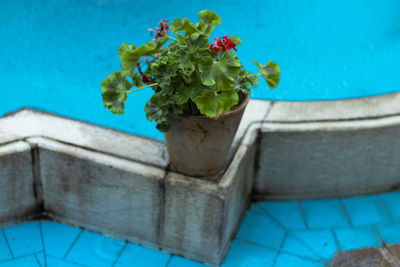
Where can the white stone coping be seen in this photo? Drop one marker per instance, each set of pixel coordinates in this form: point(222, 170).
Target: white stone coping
point(28, 123)
point(347, 109)
point(97, 157)
point(260, 115)
point(14, 147)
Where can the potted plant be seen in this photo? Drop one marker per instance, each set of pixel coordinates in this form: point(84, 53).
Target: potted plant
point(200, 90)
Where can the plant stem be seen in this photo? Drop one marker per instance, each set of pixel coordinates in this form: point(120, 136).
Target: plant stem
point(172, 38)
point(152, 84)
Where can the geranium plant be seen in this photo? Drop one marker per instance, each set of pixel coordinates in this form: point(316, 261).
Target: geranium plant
point(189, 75)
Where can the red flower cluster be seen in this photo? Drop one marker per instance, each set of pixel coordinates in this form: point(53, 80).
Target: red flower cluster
point(223, 42)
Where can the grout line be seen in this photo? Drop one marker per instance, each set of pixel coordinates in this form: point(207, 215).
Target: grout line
point(336, 240)
point(272, 218)
point(73, 244)
point(68, 261)
point(290, 232)
point(303, 215)
point(381, 241)
point(22, 256)
point(386, 209)
point(254, 243)
point(38, 261)
point(43, 245)
point(119, 254)
point(280, 248)
point(274, 249)
point(387, 254)
point(169, 260)
point(345, 212)
point(384, 250)
point(8, 244)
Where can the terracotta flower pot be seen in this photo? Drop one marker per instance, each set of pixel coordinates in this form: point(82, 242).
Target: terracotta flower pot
point(198, 145)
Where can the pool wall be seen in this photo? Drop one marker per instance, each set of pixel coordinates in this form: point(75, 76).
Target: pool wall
point(125, 191)
point(329, 148)
point(121, 185)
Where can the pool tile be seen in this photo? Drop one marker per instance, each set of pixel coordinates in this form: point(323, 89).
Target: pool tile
point(262, 230)
point(286, 260)
point(5, 253)
point(391, 201)
point(41, 258)
point(366, 210)
point(288, 213)
point(389, 233)
point(354, 238)
point(95, 250)
point(255, 208)
point(24, 239)
point(182, 262)
point(27, 261)
point(134, 255)
point(55, 262)
point(293, 245)
point(324, 214)
point(322, 242)
point(58, 238)
point(245, 254)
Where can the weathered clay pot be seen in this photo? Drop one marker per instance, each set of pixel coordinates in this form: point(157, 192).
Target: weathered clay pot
point(198, 145)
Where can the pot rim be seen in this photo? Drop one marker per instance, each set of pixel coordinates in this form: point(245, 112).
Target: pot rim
point(238, 107)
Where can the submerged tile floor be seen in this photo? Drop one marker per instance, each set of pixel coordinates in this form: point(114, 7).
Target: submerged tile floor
point(292, 233)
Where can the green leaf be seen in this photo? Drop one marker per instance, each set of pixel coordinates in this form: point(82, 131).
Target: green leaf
point(206, 69)
point(195, 35)
point(181, 39)
point(124, 48)
point(221, 73)
point(157, 108)
point(137, 80)
point(243, 80)
point(160, 42)
point(209, 19)
point(115, 88)
point(198, 44)
point(183, 94)
point(212, 104)
point(130, 57)
point(253, 79)
point(236, 40)
point(163, 127)
point(183, 25)
point(228, 100)
point(176, 25)
point(269, 72)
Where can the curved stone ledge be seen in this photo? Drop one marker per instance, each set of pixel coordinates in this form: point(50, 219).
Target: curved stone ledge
point(120, 184)
point(66, 170)
point(347, 109)
point(326, 149)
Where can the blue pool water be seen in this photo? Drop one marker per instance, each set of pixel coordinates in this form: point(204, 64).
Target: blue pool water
point(273, 234)
point(54, 54)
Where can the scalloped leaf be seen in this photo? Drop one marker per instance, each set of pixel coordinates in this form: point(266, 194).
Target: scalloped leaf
point(236, 40)
point(130, 57)
point(208, 21)
point(269, 72)
point(183, 25)
point(212, 104)
point(220, 74)
point(115, 92)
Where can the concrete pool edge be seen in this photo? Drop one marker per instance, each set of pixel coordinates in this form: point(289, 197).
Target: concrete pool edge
point(74, 180)
point(60, 141)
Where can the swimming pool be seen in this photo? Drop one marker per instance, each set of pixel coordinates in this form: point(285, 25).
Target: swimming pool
point(54, 54)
